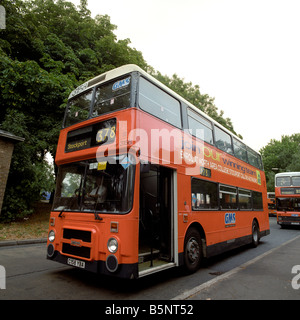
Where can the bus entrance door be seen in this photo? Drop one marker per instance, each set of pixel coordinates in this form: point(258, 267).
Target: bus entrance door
point(156, 248)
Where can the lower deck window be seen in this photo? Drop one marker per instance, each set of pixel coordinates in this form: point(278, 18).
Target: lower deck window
point(204, 195)
point(207, 195)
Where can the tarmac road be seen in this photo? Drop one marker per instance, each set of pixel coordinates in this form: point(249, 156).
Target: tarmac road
point(245, 273)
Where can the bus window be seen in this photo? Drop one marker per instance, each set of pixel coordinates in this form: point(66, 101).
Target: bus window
point(240, 150)
point(87, 186)
point(158, 103)
point(257, 200)
point(223, 140)
point(296, 181)
point(260, 163)
point(198, 122)
point(78, 108)
point(228, 197)
point(288, 204)
point(112, 96)
point(245, 199)
point(205, 194)
point(283, 181)
point(254, 158)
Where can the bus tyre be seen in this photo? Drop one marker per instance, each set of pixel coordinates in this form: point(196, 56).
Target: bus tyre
point(255, 234)
point(192, 251)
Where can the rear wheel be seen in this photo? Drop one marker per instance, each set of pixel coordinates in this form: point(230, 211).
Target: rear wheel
point(192, 250)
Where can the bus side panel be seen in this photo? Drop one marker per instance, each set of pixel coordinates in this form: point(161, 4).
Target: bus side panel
point(219, 235)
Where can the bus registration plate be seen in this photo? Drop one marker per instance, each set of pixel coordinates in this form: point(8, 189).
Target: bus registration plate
point(76, 263)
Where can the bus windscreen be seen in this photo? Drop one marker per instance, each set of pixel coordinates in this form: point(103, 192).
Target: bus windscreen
point(89, 186)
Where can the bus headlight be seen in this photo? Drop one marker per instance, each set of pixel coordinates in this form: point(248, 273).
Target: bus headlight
point(51, 236)
point(112, 245)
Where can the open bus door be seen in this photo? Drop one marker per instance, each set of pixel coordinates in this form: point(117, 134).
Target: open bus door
point(156, 226)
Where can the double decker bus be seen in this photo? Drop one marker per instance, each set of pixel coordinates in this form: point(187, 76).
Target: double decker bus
point(287, 193)
point(272, 204)
point(146, 181)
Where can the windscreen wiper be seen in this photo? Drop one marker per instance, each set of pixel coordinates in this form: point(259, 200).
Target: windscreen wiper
point(97, 217)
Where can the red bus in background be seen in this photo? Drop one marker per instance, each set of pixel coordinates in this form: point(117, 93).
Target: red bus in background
point(287, 193)
point(272, 204)
point(147, 181)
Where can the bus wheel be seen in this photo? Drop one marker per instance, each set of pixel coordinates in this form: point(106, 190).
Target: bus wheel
point(255, 234)
point(192, 250)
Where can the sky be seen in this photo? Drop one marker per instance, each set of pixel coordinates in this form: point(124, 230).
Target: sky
point(243, 53)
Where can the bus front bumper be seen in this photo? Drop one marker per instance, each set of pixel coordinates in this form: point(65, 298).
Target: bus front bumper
point(291, 220)
point(109, 267)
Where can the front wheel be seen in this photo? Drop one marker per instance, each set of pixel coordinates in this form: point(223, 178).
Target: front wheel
point(192, 250)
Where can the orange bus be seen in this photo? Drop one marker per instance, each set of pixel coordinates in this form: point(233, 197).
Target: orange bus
point(271, 204)
point(146, 181)
point(287, 193)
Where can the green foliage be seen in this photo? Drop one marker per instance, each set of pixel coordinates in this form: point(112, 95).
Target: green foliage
point(48, 48)
point(281, 156)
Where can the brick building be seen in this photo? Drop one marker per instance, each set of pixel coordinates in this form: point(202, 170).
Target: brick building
point(7, 143)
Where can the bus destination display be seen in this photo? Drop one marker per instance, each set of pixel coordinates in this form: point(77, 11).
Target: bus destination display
point(91, 136)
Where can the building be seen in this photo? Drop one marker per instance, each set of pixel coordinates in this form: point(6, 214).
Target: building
point(7, 143)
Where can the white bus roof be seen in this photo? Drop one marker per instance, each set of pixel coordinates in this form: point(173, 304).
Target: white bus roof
point(117, 72)
point(287, 174)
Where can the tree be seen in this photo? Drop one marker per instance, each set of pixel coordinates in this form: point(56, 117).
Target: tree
point(47, 49)
point(284, 155)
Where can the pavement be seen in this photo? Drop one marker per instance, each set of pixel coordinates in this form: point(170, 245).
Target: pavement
point(274, 275)
point(6, 243)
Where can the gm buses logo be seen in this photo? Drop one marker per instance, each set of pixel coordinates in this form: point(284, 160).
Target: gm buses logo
point(121, 84)
point(230, 219)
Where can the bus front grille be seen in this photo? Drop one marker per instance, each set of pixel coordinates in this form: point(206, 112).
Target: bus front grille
point(85, 236)
point(83, 252)
point(77, 242)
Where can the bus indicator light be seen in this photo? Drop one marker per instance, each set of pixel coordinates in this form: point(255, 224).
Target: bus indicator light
point(114, 227)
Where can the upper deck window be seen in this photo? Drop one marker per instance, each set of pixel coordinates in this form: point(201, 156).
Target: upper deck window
point(223, 140)
point(296, 181)
point(283, 181)
point(159, 103)
point(200, 127)
point(112, 96)
point(240, 150)
point(78, 108)
point(254, 159)
point(109, 97)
